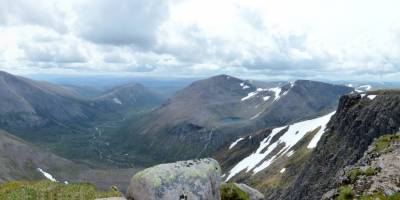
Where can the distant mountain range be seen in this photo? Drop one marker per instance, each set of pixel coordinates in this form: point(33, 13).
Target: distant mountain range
point(200, 118)
point(274, 136)
point(128, 96)
point(31, 104)
point(63, 120)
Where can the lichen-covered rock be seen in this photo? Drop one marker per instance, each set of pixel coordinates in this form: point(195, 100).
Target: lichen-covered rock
point(193, 179)
point(253, 193)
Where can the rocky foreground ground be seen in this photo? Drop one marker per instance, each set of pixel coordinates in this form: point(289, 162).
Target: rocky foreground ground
point(192, 179)
point(375, 176)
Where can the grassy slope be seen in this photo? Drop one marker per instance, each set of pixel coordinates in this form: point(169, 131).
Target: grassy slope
point(47, 190)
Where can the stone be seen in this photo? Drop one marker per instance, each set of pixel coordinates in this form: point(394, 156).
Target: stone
point(330, 195)
point(253, 193)
point(186, 180)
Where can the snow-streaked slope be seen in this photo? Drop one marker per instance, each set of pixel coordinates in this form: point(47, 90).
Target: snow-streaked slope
point(249, 96)
point(47, 175)
point(117, 101)
point(257, 161)
point(364, 87)
point(277, 92)
point(235, 143)
point(256, 116)
point(314, 141)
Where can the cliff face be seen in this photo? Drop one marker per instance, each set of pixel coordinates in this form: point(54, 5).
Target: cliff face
point(358, 121)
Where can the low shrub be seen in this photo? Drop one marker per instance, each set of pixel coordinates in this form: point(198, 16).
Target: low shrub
point(230, 191)
point(345, 193)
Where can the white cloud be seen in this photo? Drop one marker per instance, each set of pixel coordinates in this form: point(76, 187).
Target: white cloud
point(121, 23)
point(39, 12)
point(280, 39)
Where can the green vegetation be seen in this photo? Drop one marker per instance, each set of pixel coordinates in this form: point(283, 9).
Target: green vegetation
point(229, 191)
point(384, 142)
point(381, 196)
point(345, 193)
point(353, 174)
point(47, 190)
point(370, 171)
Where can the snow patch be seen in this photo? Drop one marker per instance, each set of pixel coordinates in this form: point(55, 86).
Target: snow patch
point(249, 96)
point(266, 98)
point(117, 101)
point(235, 143)
point(290, 153)
point(358, 91)
point(371, 97)
point(314, 141)
point(363, 95)
point(282, 170)
point(255, 116)
point(277, 92)
point(47, 175)
point(244, 86)
point(256, 161)
point(365, 87)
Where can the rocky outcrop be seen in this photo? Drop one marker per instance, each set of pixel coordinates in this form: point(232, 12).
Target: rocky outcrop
point(193, 179)
point(358, 121)
point(376, 173)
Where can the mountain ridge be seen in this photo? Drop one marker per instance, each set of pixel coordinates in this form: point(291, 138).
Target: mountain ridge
point(210, 112)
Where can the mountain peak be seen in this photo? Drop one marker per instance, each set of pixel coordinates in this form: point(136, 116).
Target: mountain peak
point(130, 94)
point(222, 78)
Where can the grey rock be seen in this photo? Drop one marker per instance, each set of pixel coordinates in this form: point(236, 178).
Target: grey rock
point(193, 179)
point(253, 193)
point(113, 198)
point(331, 194)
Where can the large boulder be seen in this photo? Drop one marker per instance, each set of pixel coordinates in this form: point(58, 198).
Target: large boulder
point(193, 179)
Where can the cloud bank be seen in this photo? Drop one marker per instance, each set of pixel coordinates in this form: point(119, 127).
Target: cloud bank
point(271, 39)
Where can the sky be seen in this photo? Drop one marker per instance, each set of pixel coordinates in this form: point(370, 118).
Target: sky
point(262, 39)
